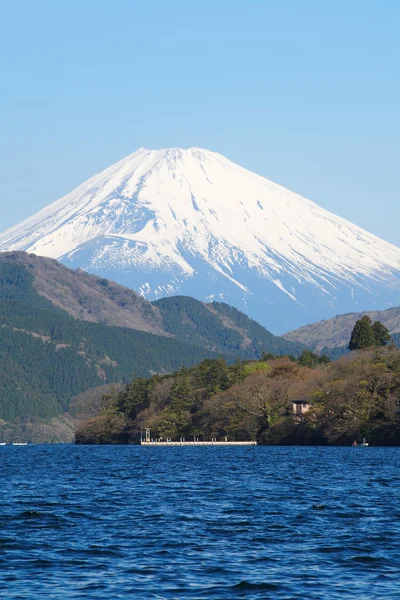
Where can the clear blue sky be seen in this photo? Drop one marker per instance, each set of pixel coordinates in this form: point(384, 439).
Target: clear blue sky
point(305, 92)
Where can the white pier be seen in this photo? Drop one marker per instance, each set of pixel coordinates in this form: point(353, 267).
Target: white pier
point(148, 441)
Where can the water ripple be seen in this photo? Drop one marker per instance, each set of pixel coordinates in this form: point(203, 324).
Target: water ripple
point(199, 523)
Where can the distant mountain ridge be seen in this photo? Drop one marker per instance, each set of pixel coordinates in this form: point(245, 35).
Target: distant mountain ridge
point(214, 325)
point(193, 223)
point(335, 333)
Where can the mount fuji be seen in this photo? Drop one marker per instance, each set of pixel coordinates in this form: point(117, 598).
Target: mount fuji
point(191, 222)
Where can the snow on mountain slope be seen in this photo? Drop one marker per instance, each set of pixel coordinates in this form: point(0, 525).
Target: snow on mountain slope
point(192, 222)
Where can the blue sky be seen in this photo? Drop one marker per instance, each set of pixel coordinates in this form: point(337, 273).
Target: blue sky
point(305, 93)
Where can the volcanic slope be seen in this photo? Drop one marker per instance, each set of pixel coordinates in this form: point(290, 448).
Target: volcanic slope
point(191, 222)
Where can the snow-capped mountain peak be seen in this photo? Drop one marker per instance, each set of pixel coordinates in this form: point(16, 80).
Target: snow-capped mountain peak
point(191, 221)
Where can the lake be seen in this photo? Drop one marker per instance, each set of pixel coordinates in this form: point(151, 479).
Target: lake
point(210, 523)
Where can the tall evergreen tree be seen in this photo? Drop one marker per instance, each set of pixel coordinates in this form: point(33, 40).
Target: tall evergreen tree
point(308, 359)
point(362, 335)
point(324, 359)
point(381, 333)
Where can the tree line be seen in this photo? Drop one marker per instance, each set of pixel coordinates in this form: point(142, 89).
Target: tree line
point(355, 396)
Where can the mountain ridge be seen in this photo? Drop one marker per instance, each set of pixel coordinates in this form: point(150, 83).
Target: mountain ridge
point(94, 299)
point(335, 332)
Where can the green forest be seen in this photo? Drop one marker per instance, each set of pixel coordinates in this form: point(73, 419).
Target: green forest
point(354, 397)
point(47, 357)
point(191, 320)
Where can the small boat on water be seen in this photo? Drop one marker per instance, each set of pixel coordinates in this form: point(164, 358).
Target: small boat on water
point(3, 443)
point(20, 443)
point(363, 444)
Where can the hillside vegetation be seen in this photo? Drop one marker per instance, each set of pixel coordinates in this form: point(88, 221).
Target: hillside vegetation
point(221, 328)
point(61, 334)
point(47, 356)
point(356, 396)
point(85, 297)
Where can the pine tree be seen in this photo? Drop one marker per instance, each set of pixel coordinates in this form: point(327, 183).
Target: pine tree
point(308, 359)
point(381, 334)
point(267, 356)
point(362, 335)
point(324, 359)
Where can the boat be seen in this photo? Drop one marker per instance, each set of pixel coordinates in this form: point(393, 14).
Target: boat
point(3, 443)
point(20, 443)
point(363, 444)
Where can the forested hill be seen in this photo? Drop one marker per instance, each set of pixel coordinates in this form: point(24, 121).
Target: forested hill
point(58, 335)
point(47, 356)
point(216, 326)
point(356, 396)
point(220, 327)
point(86, 297)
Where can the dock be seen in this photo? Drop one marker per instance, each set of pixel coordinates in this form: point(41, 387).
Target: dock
point(207, 443)
point(148, 441)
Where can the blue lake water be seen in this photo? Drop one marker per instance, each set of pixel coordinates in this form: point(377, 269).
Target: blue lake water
point(210, 523)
